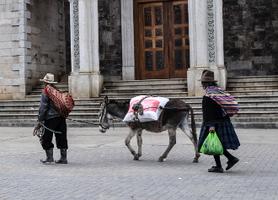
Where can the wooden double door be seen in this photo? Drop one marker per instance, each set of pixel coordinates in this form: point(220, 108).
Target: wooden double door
point(161, 38)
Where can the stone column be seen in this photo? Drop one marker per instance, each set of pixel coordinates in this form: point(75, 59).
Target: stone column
point(74, 32)
point(128, 70)
point(88, 81)
point(206, 43)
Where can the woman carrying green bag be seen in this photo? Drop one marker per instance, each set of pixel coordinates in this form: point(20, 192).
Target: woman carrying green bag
point(217, 107)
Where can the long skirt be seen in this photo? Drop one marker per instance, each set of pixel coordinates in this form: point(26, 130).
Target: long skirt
point(225, 131)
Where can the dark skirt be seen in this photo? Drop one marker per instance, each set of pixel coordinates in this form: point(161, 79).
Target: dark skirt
point(225, 131)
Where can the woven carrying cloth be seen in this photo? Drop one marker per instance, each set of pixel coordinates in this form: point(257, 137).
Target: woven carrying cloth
point(227, 102)
point(62, 101)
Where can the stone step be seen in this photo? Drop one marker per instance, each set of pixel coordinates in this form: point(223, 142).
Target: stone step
point(94, 115)
point(254, 101)
point(253, 88)
point(27, 116)
point(157, 93)
point(38, 89)
point(255, 96)
point(263, 125)
point(36, 92)
point(35, 110)
point(145, 82)
point(244, 82)
point(37, 103)
point(270, 118)
point(253, 78)
point(253, 92)
point(197, 119)
point(148, 87)
point(151, 91)
point(255, 119)
point(24, 123)
point(33, 122)
point(246, 100)
point(249, 104)
point(36, 107)
point(95, 107)
point(59, 85)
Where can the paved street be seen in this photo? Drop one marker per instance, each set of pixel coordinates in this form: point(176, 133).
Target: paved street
point(101, 168)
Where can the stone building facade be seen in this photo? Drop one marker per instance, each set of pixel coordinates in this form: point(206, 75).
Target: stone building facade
point(250, 37)
point(32, 43)
point(91, 41)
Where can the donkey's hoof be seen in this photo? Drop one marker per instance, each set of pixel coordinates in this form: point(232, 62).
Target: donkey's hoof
point(195, 160)
point(136, 157)
point(161, 159)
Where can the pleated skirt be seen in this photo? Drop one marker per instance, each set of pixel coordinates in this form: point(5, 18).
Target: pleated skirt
point(225, 131)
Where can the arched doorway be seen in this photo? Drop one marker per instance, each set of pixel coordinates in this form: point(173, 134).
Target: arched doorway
point(161, 38)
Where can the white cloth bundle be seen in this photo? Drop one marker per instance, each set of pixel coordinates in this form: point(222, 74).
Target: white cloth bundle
point(152, 108)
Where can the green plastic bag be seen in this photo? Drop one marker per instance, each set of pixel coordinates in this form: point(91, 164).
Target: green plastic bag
point(212, 145)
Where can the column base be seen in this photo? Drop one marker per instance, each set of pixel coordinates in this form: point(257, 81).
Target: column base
point(194, 75)
point(85, 85)
point(128, 73)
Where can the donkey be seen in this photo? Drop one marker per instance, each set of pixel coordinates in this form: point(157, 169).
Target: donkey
point(175, 115)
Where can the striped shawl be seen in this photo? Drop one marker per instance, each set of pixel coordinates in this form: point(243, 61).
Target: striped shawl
point(227, 102)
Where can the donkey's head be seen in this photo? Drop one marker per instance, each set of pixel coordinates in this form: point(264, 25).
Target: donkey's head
point(109, 110)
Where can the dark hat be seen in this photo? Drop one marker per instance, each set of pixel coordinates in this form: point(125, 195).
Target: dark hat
point(207, 76)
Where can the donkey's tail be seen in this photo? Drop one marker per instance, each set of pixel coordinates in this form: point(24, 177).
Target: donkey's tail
point(193, 124)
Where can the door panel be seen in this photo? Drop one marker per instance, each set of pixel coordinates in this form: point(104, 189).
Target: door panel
point(152, 51)
point(180, 40)
point(161, 36)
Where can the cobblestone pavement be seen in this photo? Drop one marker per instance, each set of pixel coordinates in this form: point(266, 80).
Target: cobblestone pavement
point(101, 168)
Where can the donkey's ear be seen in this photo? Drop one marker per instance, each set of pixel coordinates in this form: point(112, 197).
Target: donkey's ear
point(106, 99)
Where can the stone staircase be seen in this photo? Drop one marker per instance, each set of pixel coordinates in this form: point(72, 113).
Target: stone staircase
point(258, 98)
point(174, 88)
point(253, 85)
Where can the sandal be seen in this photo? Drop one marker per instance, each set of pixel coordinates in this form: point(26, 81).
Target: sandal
point(231, 163)
point(216, 169)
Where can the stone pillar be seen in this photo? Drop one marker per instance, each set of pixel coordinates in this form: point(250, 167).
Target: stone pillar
point(206, 43)
point(74, 32)
point(127, 24)
point(87, 82)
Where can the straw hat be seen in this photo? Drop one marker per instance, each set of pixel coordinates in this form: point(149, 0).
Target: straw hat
point(49, 78)
point(208, 76)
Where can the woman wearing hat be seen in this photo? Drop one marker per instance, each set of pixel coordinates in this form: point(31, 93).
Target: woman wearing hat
point(216, 119)
point(53, 123)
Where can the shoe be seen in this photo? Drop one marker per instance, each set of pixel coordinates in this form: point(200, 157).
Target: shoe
point(49, 157)
point(216, 169)
point(231, 163)
point(63, 159)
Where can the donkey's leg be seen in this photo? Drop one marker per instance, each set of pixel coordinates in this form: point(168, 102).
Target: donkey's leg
point(184, 126)
point(172, 142)
point(131, 134)
point(139, 144)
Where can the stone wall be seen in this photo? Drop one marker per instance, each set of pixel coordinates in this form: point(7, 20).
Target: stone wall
point(47, 40)
point(251, 37)
point(12, 48)
point(110, 39)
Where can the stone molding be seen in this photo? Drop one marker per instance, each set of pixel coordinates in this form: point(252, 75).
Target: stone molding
point(127, 24)
point(211, 31)
point(75, 57)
